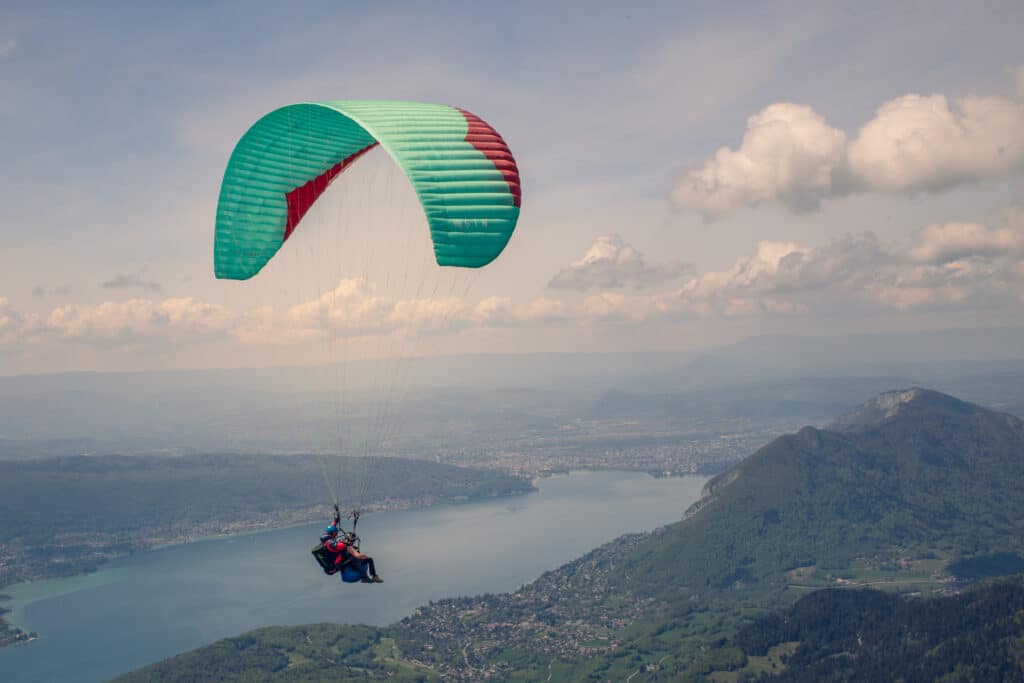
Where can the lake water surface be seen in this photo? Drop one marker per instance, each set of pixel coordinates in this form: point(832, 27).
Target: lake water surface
point(156, 604)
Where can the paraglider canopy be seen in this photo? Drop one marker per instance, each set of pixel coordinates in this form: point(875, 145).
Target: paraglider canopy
point(460, 167)
point(467, 185)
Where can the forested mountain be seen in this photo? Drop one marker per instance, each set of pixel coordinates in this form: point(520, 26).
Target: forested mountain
point(906, 476)
point(915, 492)
point(871, 636)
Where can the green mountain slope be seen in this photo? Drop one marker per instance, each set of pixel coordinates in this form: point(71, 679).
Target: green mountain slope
point(903, 479)
point(299, 654)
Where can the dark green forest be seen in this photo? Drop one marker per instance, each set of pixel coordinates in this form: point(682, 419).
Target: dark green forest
point(867, 635)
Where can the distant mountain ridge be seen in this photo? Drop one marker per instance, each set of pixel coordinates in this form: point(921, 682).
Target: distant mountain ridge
point(793, 379)
point(905, 402)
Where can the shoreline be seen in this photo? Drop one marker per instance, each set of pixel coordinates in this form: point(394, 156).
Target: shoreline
point(596, 507)
point(394, 506)
point(11, 602)
point(14, 604)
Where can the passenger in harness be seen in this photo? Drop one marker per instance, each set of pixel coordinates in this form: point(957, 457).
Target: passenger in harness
point(341, 555)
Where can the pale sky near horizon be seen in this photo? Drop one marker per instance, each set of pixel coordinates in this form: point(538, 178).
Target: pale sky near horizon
point(693, 173)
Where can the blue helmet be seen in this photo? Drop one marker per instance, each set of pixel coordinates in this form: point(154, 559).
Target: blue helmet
point(332, 529)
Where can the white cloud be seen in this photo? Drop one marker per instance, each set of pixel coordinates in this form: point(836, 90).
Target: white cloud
point(748, 273)
point(351, 308)
point(788, 154)
point(429, 314)
point(138, 321)
point(786, 267)
point(493, 311)
point(612, 263)
point(752, 286)
point(543, 309)
point(12, 322)
point(791, 156)
point(502, 311)
point(611, 306)
point(944, 265)
point(952, 241)
point(921, 143)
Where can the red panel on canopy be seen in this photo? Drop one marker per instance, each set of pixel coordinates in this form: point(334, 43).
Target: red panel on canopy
point(302, 197)
point(487, 140)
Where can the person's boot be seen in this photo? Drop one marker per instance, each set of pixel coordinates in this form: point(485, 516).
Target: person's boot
point(376, 579)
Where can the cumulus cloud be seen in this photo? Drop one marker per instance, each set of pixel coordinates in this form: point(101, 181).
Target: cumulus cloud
point(493, 311)
point(543, 309)
point(942, 285)
point(122, 281)
point(785, 267)
point(922, 143)
point(601, 307)
point(748, 273)
point(955, 263)
point(942, 266)
point(350, 308)
point(788, 154)
point(354, 310)
point(612, 263)
point(428, 314)
point(11, 322)
point(126, 323)
point(791, 156)
point(610, 306)
point(955, 241)
point(948, 264)
point(502, 311)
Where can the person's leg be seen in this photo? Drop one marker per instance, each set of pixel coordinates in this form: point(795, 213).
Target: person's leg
point(371, 570)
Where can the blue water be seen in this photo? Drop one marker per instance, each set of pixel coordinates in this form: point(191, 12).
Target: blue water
point(150, 606)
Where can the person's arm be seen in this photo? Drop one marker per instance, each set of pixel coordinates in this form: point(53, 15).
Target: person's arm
point(355, 553)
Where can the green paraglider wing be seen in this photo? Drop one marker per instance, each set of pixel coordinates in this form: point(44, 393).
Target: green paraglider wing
point(461, 169)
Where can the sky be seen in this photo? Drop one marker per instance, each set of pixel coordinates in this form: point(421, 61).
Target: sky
point(693, 174)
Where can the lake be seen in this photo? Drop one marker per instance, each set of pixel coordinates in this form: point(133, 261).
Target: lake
point(144, 608)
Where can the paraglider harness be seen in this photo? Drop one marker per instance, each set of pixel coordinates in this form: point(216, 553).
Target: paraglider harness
point(325, 558)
